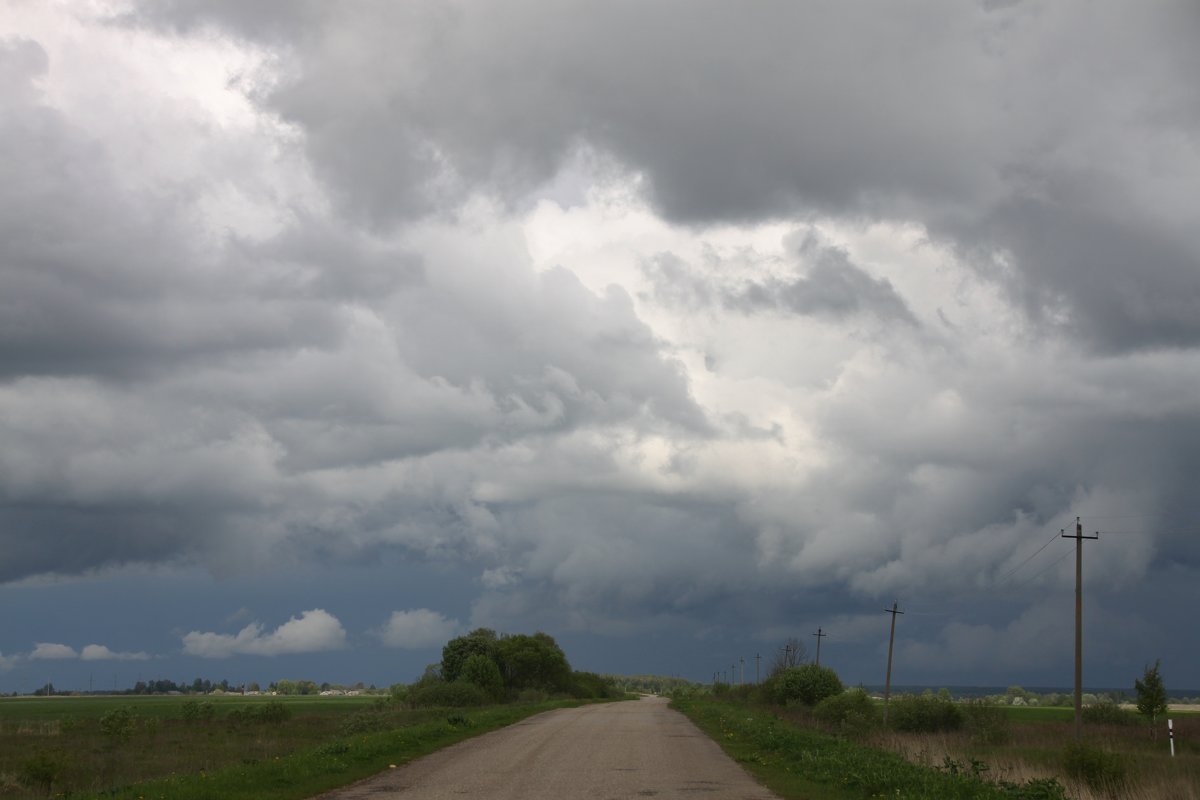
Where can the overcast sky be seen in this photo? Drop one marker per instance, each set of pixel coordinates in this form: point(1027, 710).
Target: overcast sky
point(674, 329)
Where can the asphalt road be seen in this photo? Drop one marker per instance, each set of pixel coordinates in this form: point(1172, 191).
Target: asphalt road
point(613, 750)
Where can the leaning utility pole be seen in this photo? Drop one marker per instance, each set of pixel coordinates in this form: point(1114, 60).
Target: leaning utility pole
point(887, 687)
point(819, 636)
point(1078, 537)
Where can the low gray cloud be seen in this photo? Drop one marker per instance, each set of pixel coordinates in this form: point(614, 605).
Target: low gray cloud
point(831, 286)
point(1026, 140)
point(294, 314)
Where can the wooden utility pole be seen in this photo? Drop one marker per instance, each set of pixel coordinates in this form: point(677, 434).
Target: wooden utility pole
point(887, 686)
point(757, 658)
point(819, 636)
point(742, 674)
point(1078, 537)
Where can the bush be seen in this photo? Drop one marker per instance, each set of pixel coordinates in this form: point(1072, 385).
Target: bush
point(1108, 713)
point(364, 722)
point(924, 714)
point(1099, 769)
point(193, 711)
point(807, 684)
point(272, 713)
point(850, 712)
point(118, 723)
point(41, 771)
point(987, 723)
point(589, 685)
point(458, 694)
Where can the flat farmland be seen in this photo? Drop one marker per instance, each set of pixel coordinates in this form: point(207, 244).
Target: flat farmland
point(27, 709)
point(225, 746)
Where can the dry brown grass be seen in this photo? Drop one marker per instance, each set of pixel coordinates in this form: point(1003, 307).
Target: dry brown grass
point(1035, 751)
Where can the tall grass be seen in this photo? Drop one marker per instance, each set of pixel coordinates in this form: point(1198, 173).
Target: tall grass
point(242, 751)
point(995, 754)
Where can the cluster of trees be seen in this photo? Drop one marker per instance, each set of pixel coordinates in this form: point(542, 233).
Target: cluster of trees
point(485, 667)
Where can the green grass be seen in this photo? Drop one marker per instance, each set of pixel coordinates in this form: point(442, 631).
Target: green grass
point(26, 709)
point(798, 762)
point(326, 743)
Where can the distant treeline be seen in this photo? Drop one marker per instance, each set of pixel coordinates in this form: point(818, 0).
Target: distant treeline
point(204, 686)
point(1037, 696)
point(650, 684)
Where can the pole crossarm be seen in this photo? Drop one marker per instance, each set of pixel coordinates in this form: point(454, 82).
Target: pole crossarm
point(820, 635)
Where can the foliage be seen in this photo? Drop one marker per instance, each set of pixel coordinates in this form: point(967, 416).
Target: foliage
point(1099, 769)
point(1108, 713)
point(1151, 696)
point(272, 713)
point(193, 711)
point(924, 714)
point(590, 686)
point(807, 684)
point(41, 770)
point(299, 768)
point(119, 723)
point(850, 712)
point(484, 673)
point(792, 654)
point(533, 662)
point(287, 687)
point(651, 684)
point(479, 642)
point(987, 723)
point(458, 694)
point(810, 763)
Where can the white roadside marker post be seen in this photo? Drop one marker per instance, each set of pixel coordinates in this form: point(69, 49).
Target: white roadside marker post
point(1171, 736)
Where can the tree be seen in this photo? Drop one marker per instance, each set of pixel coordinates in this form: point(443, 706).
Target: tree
point(483, 672)
point(1151, 696)
point(534, 662)
point(792, 654)
point(479, 642)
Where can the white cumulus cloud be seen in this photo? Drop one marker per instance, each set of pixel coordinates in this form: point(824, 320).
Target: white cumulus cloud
point(311, 632)
point(417, 628)
point(51, 650)
point(98, 652)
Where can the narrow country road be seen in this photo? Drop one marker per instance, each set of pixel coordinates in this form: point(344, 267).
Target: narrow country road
point(608, 751)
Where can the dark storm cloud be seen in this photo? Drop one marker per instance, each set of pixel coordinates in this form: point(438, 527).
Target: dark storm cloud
point(326, 340)
point(967, 118)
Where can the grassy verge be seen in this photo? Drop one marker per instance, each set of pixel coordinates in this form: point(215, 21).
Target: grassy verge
point(797, 762)
point(298, 758)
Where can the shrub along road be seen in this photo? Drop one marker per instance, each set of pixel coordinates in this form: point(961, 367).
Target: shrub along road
point(632, 749)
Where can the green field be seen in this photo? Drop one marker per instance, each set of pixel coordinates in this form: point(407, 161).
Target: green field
point(797, 757)
point(185, 748)
point(95, 706)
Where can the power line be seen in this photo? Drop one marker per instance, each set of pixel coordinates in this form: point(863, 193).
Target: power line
point(1009, 574)
point(1041, 572)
